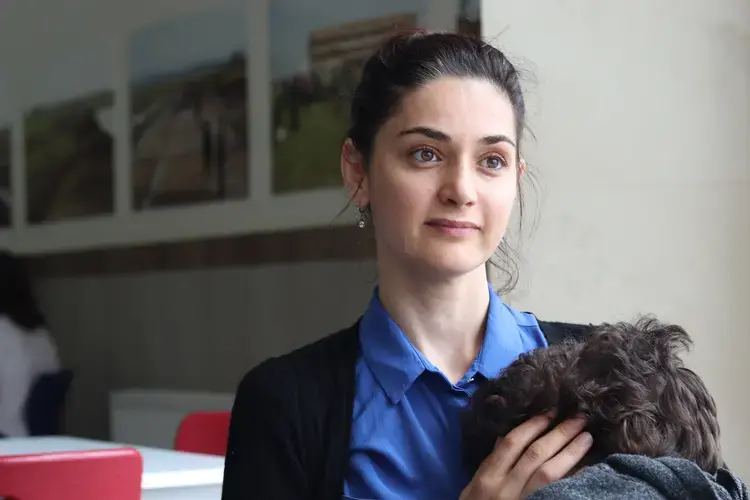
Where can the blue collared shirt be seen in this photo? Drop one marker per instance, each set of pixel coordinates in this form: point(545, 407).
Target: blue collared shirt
point(406, 433)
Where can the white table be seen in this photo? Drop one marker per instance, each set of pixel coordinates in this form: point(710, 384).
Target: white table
point(167, 474)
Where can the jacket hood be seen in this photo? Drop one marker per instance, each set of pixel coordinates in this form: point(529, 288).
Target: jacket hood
point(638, 477)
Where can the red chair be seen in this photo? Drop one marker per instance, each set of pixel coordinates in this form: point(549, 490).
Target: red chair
point(204, 432)
point(113, 474)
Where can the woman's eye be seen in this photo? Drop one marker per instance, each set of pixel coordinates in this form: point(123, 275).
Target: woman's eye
point(424, 155)
point(494, 162)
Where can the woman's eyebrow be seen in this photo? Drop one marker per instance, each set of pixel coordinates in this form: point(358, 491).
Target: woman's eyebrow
point(438, 135)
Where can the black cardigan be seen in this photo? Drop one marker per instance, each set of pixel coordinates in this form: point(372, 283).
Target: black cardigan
point(292, 418)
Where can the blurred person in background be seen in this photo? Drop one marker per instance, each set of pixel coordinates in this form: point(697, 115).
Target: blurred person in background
point(26, 347)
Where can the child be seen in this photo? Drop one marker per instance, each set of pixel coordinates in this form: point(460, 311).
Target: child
point(654, 424)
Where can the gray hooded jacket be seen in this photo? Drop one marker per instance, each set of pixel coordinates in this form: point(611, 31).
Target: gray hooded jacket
point(637, 477)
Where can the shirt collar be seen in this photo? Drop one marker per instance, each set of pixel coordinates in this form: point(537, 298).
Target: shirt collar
point(502, 339)
point(396, 363)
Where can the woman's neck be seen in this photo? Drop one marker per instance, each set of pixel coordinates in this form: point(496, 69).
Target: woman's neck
point(444, 319)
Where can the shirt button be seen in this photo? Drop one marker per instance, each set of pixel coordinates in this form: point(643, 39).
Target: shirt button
point(471, 379)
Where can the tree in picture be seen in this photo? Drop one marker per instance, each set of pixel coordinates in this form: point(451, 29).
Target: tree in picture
point(69, 143)
point(317, 54)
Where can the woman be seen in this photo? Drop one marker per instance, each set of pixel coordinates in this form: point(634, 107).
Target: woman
point(433, 161)
point(26, 348)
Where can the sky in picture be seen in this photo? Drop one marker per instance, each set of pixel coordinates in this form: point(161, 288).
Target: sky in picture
point(189, 41)
point(76, 73)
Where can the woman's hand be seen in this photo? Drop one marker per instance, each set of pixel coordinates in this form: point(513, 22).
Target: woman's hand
point(521, 464)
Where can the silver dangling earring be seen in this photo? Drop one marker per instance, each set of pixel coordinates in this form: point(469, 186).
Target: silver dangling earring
point(362, 218)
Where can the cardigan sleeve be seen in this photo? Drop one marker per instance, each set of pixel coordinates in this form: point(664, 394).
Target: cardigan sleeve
point(264, 454)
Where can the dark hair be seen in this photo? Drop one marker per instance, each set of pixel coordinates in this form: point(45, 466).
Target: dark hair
point(16, 297)
point(626, 379)
point(412, 59)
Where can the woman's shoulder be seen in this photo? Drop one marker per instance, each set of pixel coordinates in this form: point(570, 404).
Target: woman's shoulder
point(42, 350)
point(320, 364)
point(557, 331)
point(553, 331)
point(289, 421)
point(11, 337)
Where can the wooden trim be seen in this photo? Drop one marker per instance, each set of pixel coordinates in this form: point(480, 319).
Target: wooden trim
point(333, 243)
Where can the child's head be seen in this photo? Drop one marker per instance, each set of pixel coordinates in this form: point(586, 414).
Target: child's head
point(626, 379)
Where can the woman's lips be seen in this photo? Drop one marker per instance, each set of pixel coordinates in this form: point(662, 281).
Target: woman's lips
point(456, 228)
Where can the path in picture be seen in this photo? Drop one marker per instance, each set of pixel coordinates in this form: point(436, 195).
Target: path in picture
point(189, 109)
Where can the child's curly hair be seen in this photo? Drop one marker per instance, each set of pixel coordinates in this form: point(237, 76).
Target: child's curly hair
point(626, 379)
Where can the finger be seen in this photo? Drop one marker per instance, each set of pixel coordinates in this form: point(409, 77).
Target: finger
point(561, 464)
point(509, 448)
point(544, 449)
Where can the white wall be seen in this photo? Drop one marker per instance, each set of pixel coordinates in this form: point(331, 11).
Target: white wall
point(641, 111)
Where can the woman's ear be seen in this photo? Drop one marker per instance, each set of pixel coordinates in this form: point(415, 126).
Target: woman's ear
point(354, 174)
point(521, 167)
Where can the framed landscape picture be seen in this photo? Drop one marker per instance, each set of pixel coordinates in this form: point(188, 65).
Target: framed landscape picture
point(189, 109)
point(69, 140)
point(317, 54)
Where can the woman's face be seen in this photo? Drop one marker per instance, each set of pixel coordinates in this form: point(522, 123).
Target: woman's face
point(441, 182)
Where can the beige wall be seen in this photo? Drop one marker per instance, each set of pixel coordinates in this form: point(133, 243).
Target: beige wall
point(641, 111)
point(197, 330)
